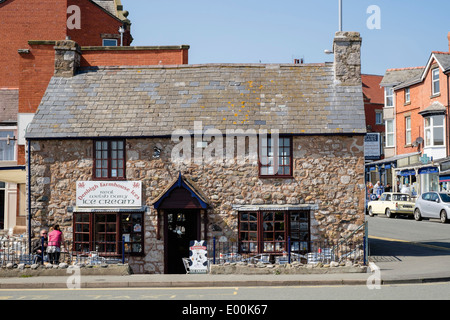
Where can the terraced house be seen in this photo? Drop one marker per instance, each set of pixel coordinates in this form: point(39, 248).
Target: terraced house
point(155, 156)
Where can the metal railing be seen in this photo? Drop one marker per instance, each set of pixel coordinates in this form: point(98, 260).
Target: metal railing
point(350, 248)
point(17, 251)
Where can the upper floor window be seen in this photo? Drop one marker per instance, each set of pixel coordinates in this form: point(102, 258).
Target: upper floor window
point(407, 130)
point(7, 145)
point(379, 117)
point(434, 131)
point(407, 95)
point(435, 81)
point(276, 163)
point(389, 97)
point(390, 133)
point(109, 161)
point(109, 42)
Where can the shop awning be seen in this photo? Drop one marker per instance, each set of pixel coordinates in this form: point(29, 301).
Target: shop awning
point(14, 174)
point(445, 178)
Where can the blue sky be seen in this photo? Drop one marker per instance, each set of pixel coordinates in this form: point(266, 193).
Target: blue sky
point(251, 31)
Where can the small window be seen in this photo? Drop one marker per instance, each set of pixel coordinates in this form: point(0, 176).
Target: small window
point(110, 42)
point(435, 82)
point(379, 117)
point(7, 146)
point(275, 164)
point(407, 95)
point(390, 133)
point(389, 97)
point(109, 162)
point(407, 130)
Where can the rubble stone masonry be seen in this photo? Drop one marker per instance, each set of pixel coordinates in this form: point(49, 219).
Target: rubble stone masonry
point(328, 175)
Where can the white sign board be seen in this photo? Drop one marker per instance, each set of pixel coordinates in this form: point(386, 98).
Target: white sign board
point(198, 257)
point(372, 146)
point(109, 194)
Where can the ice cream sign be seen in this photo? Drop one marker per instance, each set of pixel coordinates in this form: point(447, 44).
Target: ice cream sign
point(109, 194)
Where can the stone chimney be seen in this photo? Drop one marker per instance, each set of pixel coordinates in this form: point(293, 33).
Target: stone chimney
point(347, 58)
point(67, 58)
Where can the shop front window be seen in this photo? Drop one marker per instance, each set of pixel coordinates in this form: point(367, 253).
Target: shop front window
point(268, 231)
point(108, 233)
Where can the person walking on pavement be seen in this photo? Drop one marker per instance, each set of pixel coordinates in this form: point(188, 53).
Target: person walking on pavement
point(55, 239)
point(378, 189)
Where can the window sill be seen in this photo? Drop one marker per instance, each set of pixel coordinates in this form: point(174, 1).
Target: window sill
point(276, 177)
point(436, 95)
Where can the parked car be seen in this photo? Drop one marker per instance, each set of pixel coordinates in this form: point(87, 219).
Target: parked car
point(391, 204)
point(433, 205)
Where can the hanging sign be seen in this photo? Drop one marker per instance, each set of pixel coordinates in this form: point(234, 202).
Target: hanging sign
point(198, 257)
point(109, 194)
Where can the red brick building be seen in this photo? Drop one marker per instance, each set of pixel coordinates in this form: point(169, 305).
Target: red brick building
point(89, 22)
point(416, 112)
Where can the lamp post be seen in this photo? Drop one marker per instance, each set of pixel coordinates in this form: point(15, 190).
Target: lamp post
point(121, 31)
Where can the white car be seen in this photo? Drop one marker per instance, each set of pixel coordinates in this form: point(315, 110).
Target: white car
point(391, 204)
point(433, 205)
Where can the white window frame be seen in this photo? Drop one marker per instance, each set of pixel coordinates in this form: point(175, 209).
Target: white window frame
point(429, 131)
point(390, 133)
point(407, 95)
point(407, 130)
point(435, 80)
point(12, 140)
point(389, 94)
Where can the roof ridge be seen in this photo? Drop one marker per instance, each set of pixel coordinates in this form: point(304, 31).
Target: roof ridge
point(440, 52)
point(407, 68)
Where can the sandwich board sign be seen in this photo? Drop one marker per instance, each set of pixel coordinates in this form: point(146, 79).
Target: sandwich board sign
point(198, 257)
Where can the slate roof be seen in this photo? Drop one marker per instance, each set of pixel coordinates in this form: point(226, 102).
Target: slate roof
point(156, 100)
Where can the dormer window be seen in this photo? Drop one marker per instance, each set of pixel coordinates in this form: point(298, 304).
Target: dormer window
point(435, 82)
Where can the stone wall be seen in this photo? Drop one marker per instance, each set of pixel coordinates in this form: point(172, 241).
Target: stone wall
point(328, 175)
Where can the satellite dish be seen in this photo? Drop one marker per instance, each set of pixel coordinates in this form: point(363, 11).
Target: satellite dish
point(419, 140)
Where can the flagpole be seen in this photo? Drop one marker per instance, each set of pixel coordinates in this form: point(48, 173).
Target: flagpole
point(340, 15)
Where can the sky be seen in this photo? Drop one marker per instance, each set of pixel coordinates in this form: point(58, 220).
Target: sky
point(399, 34)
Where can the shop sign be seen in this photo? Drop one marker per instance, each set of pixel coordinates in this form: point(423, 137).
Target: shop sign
point(109, 194)
point(428, 170)
point(372, 146)
point(198, 257)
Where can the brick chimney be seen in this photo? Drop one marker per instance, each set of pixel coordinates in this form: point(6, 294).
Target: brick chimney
point(67, 58)
point(448, 37)
point(347, 58)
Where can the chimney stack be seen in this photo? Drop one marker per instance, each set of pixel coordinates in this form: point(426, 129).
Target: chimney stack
point(347, 58)
point(448, 37)
point(67, 58)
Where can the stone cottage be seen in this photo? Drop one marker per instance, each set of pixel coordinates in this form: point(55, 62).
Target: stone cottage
point(157, 156)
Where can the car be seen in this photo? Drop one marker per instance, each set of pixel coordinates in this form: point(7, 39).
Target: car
point(391, 204)
point(435, 205)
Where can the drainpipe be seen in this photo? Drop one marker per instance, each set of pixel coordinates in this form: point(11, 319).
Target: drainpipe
point(29, 194)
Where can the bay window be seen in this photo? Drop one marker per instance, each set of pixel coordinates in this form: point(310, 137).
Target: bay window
point(434, 131)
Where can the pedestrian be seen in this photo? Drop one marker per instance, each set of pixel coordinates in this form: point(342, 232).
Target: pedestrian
point(378, 189)
point(39, 245)
point(55, 239)
point(388, 188)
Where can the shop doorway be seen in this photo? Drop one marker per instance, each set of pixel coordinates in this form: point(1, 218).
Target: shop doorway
point(182, 228)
